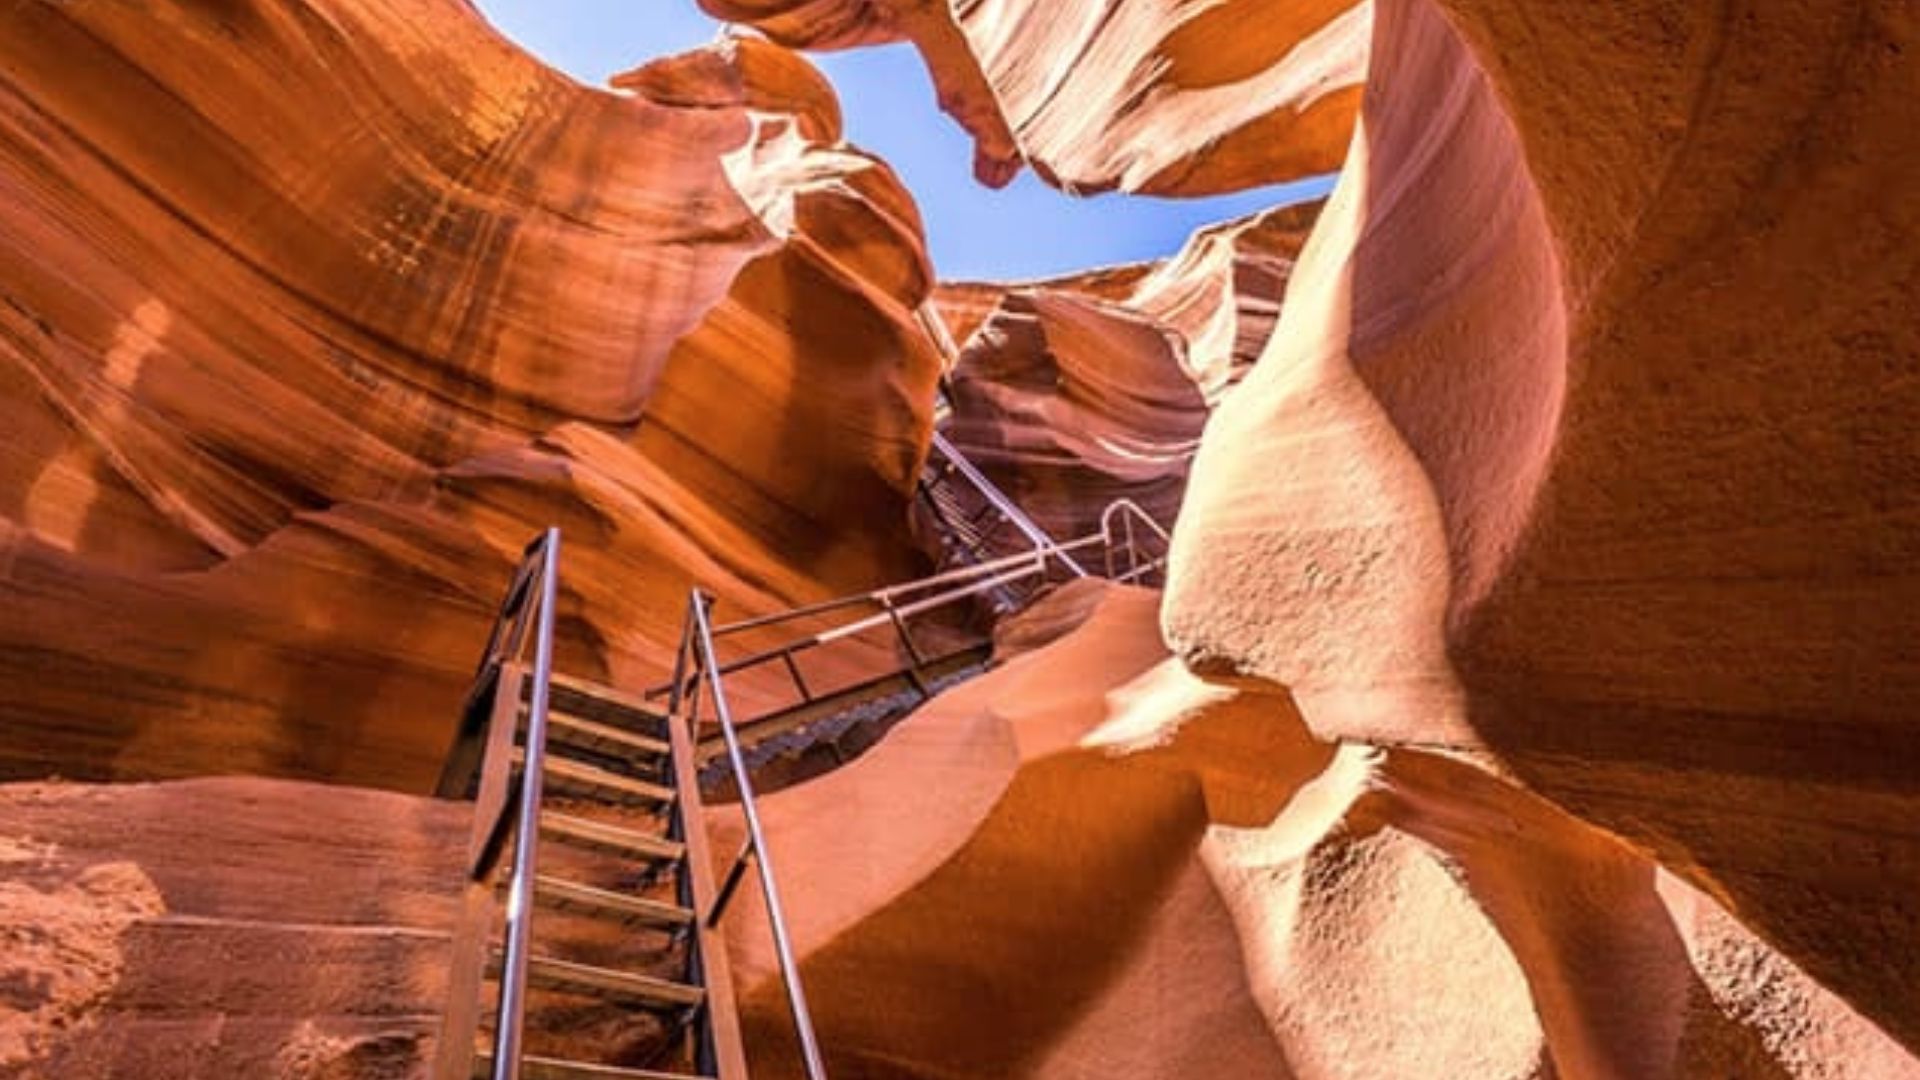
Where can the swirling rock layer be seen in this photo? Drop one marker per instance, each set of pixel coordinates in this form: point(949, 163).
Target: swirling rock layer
point(313, 313)
point(1158, 876)
point(1584, 449)
point(1172, 97)
point(1072, 393)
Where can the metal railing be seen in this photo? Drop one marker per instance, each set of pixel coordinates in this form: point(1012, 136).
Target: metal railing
point(478, 767)
point(696, 650)
point(1119, 545)
point(1008, 510)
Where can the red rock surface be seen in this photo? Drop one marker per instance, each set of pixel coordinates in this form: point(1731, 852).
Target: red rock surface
point(1552, 565)
point(224, 928)
point(1177, 97)
point(1128, 871)
point(313, 314)
point(1071, 393)
point(1585, 449)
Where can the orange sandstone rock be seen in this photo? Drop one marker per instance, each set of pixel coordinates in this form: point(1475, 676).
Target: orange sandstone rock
point(1584, 450)
point(1073, 392)
point(314, 313)
point(1178, 97)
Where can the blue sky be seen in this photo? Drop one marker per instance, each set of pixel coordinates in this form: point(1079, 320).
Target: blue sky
point(1026, 230)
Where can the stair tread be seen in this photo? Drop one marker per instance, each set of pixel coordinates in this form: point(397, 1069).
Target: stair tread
point(569, 727)
point(560, 767)
point(584, 832)
point(562, 892)
point(545, 1068)
point(569, 977)
point(609, 695)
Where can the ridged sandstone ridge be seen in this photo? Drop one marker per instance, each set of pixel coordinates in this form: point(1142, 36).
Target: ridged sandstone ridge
point(1179, 97)
point(1160, 876)
point(1073, 392)
point(1584, 451)
point(311, 314)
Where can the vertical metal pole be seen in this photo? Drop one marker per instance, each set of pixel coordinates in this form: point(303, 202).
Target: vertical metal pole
point(510, 1020)
point(793, 669)
point(1133, 553)
point(776, 914)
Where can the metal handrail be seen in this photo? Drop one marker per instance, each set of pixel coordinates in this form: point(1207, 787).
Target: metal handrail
point(902, 601)
point(1006, 507)
point(529, 604)
point(698, 638)
point(1128, 512)
point(511, 1013)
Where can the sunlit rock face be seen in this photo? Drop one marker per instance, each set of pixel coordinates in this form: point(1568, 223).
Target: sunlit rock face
point(1074, 392)
point(1585, 449)
point(1132, 872)
point(1176, 97)
point(1581, 461)
point(314, 313)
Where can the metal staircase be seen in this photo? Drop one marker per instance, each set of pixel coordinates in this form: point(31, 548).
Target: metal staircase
point(815, 718)
point(528, 731)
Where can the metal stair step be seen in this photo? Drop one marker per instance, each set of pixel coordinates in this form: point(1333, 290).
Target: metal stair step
point(580, 778)
point(574, 896)
point(597, 836)
point(590, 734)
point(642, 990)
point(543, 1068)
point(607, 704)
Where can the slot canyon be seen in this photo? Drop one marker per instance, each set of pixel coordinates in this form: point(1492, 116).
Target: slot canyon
point(1527, 686)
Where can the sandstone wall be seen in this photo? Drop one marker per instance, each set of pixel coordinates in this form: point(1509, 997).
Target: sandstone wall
point(224, 928)
point(314, 313)
point(1584, 448)
point(1074, 392)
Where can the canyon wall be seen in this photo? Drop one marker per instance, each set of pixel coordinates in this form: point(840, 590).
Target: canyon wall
point(230, 927)
point(1073, 392)
point(1172, 97)
point(1579, 479)
point(1584, 451)
point(312, 314)
point(1533, 693)
point(1125, 870)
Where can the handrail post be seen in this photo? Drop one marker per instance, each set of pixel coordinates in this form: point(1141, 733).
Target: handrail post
point(769, 888)
point(510, 1019)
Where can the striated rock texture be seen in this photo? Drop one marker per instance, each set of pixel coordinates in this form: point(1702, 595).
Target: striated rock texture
point(1075, 392)
point(1580, 470)
point(224, 928)
point(1171, 97)
point(311, 314)
point(1584, 451)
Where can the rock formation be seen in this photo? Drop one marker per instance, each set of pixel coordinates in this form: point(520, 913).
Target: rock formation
point(1128, 871)
point(1533, 692)
point(1071, 393)
point(313, 314)
point(1178, 98)
point(230, 927)
point(1584, 450)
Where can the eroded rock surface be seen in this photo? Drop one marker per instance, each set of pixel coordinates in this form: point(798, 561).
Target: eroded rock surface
point(1071, 393)
point(1159, 876)
point(229, 928)
point(1179, 97)
point(313, 314)
point(1584, 449)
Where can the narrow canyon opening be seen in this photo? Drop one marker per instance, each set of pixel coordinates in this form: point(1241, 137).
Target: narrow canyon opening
point(1385, 550)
